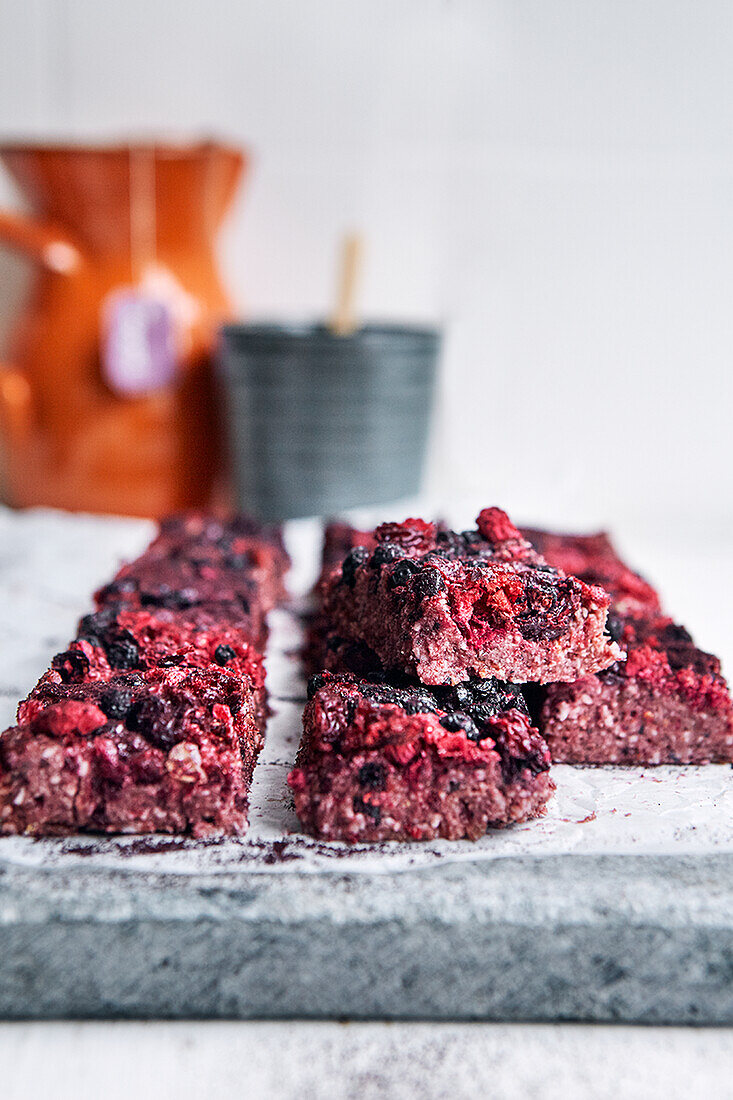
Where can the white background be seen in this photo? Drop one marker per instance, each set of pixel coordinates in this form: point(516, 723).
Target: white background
point(551, 180)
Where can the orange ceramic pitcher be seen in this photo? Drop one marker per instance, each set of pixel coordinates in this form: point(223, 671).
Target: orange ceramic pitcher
point(107, 402)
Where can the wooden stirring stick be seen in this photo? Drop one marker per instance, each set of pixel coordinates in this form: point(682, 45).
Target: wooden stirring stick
point(343, 321)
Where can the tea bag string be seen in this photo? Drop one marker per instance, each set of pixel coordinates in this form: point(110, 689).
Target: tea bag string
point(143, 229)
point(215, 180)
point(209, 196)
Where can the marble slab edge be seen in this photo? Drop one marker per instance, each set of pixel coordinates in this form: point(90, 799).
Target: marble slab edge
point(616, 938)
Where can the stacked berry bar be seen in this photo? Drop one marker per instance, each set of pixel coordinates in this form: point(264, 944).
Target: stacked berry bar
point(444, 606)
point(668, 703)
point(420, 730)
point(152, 719)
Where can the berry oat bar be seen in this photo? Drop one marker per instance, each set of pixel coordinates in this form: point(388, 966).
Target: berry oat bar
point(237, 546)
point(668, 703)
point(163, 751)
point(110, 641)
point(444, 606)
point(384, 762)
point(223, 568)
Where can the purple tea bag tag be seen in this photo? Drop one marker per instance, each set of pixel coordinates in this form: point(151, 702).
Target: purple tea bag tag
point(138, 342)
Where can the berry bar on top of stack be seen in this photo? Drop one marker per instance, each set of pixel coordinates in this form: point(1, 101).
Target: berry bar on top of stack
point(668, 703)
point(152, 719)
point(439, 627)
point(444, 606)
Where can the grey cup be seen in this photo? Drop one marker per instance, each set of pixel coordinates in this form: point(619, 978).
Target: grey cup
point(319, 422)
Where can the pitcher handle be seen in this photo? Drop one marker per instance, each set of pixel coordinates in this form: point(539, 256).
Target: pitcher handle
point(41, 241)
point(16, 426)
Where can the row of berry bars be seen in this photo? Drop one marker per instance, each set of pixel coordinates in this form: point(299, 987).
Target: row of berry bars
point(418, 728)
point(152, 719)
point(383, 756)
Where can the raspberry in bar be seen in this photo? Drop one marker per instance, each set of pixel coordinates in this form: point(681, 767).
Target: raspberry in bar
point(163, 751)
point(668, 703)
point(384, 762)
point(444, 606)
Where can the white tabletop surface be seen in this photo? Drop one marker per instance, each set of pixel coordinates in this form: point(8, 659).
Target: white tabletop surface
point(367, 1061)
point(328, 1059)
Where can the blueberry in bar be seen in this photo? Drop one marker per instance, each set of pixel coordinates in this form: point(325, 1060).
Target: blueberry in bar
point(595, 560)
point(396, 761)
point(668, 703)
point(444, 606)
point(162, 751)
